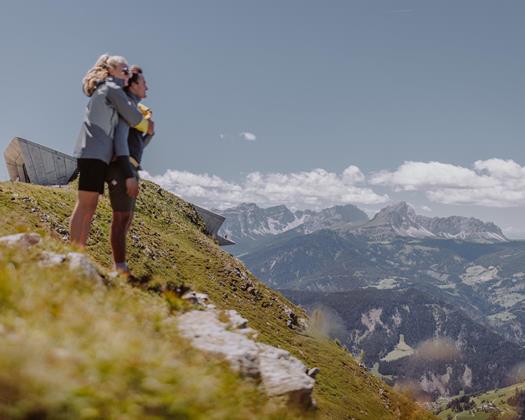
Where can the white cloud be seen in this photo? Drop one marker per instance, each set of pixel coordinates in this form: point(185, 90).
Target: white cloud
point(492, 182)
point(313, 189)
point(246, 135)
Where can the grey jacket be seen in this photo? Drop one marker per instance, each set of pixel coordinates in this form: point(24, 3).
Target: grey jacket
point(109, 100)
point(128, 140)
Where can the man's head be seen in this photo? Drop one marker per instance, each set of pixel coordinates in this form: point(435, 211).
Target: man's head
point(137, 84)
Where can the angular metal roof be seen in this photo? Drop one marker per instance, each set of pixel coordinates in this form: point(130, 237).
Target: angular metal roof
point(213, 223)
point(31, 162)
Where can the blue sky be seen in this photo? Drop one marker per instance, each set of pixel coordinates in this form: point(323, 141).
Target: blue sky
point(321, 86)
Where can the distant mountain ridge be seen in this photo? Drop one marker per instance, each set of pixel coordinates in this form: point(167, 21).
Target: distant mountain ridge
point(401, 220)
point(247, 223)
point(252, 227)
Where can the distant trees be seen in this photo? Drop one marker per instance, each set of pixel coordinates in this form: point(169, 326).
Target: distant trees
point(460, 404)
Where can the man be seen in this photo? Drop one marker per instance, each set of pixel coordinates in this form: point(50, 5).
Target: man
point(122, 192)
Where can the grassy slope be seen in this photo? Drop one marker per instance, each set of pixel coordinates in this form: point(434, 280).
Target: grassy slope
point(167, 243)
point(498, 397)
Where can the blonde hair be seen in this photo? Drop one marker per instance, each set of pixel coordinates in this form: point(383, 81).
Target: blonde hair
point(100, 72)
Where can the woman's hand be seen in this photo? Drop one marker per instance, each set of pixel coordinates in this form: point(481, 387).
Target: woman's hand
point(151, 127)
point(132, 187)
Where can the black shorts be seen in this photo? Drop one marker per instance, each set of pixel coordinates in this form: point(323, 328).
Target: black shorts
point(118, 194)
point(92, 174)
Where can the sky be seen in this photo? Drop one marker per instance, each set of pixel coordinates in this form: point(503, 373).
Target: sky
point(303, 103)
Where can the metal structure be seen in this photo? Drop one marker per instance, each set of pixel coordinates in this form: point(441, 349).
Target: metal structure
point(33, 163)
point(213, 223)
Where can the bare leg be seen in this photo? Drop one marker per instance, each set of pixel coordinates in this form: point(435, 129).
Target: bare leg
point(82, 215)
point(119, 229)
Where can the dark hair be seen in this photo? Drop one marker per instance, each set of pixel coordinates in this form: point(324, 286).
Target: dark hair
point(136, 72)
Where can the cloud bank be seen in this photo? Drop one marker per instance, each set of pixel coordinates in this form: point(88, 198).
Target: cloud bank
point(491, 183)
point(314, 189)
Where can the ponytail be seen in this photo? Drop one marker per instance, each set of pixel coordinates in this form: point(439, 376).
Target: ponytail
point(100, 72)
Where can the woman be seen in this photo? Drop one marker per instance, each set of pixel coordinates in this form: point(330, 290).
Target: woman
point(103, 83)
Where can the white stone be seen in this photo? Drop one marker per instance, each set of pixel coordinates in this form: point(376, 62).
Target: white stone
point(48, 259)
point(209, 334)
point(81, 263)
point(236, 320)
point(21, 239)
point(281, 373)
point(196, 298)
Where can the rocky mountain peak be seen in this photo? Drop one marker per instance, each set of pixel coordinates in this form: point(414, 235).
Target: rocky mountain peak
point(248, 221)
point(401, 212)
point(400, 219)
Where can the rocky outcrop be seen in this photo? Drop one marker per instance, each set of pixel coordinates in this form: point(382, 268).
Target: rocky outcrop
point(24, 240)
point(226, 333)
point(76, 261)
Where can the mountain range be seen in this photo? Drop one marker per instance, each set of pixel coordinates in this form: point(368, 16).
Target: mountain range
point(457, 273)
point(401, 220)
point(251, 226)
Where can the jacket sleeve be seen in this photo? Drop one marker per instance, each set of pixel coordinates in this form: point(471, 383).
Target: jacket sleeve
point(126, 109)
point(120, 139)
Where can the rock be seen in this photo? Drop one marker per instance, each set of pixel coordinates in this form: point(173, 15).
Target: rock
point(281, 374)
point(80, 262)
point(312, 373)
point(24, 240)
point(236, 321)
point(48, 259)
point(293, 320)
point(196, 298)
point(209, 334)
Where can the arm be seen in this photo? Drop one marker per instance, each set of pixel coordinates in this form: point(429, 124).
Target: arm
point(126, 109)
point(121, 148)
point(120, 139)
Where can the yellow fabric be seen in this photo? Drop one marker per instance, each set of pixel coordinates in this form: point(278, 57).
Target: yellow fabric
point(134, 162)
point(146, 111)
point(143, 125)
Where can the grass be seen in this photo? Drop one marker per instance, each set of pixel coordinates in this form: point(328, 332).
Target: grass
point(167, 244)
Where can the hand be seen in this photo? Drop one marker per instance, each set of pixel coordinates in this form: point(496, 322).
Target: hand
point(132, 187)
point(151, 127)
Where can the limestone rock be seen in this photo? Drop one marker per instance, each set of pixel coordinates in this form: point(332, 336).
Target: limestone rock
point(236, 321)
point(283, 374)
point(280, 373)
point(80, 262)
point(196, 298)
point(209, 334)
point(48, 259)
point(24, 240)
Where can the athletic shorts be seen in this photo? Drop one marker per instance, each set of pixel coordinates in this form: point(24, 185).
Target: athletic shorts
point(92, 174)
point(118, 194)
